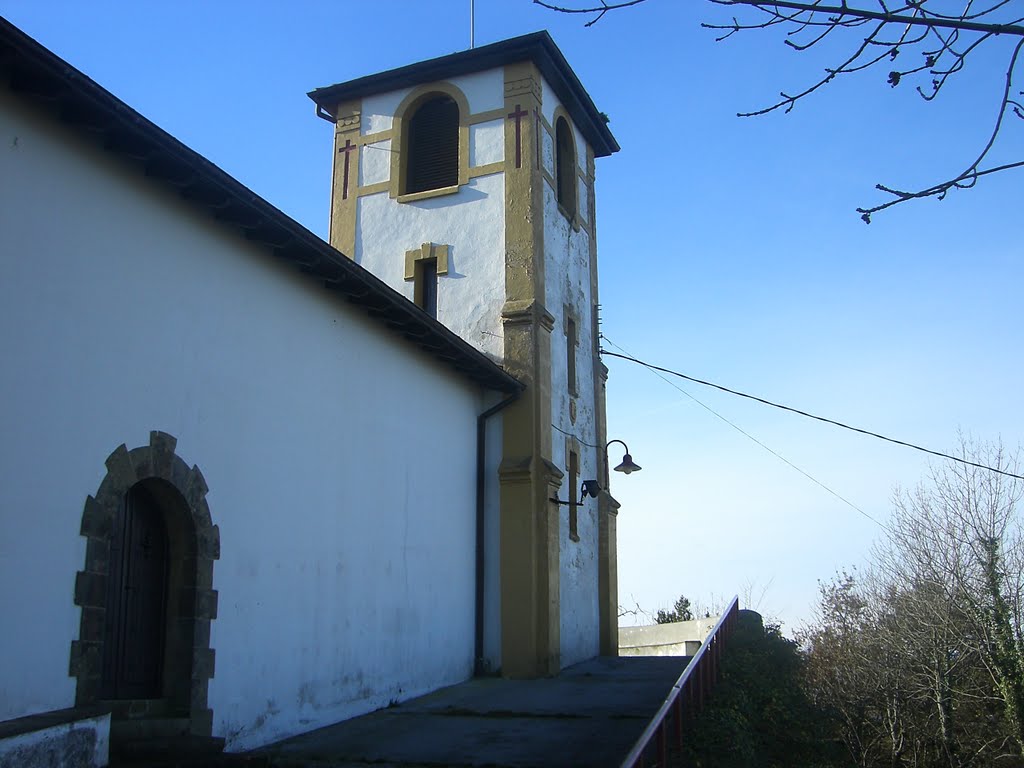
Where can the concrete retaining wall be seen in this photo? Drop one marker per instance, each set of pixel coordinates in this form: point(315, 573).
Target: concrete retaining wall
point(680, 638)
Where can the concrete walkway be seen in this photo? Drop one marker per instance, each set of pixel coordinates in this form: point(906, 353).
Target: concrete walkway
point(590, 715)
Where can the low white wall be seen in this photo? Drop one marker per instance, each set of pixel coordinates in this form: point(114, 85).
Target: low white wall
point(76, 743)
point(340, 461)
point(678, 638)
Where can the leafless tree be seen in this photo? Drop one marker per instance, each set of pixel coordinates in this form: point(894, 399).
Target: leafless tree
point(840, 667)
point(905, 689)
point(957, 539)
point(922, 41)
point(922, 654)
point(636, 611)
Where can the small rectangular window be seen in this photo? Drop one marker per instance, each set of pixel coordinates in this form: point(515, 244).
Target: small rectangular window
point(574, 482)
point(425, 286)
point(570, 354)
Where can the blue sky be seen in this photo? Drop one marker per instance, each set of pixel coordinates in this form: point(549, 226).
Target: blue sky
point(729, 250)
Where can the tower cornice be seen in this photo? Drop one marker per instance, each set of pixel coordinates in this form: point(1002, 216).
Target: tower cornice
point(537, 47)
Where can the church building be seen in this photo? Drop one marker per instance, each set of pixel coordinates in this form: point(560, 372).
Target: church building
point(257, 483)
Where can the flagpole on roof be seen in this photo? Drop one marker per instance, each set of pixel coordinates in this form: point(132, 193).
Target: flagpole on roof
point(471, 24)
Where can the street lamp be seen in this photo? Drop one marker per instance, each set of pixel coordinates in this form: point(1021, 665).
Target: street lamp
point(627, 464)
point(593, 487)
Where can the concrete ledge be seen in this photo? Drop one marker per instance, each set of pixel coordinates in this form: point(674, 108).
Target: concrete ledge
point(680, 638)
point(64, 738)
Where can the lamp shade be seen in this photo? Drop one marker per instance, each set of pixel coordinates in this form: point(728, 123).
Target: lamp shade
point(628, 465)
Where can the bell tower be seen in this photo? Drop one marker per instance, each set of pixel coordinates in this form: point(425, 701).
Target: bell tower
point(467, 184)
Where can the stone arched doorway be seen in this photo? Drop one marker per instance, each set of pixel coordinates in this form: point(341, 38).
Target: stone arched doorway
point(146, 591)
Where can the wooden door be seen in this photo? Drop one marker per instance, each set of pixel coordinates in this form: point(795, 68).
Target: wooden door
point(136, 623)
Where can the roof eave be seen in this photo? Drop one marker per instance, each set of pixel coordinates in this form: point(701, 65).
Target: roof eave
point(537, 47)
point(37, 73)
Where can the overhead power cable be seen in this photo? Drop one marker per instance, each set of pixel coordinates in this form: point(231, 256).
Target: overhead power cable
point(574, 437)
point(746, 434)
point(833, 422)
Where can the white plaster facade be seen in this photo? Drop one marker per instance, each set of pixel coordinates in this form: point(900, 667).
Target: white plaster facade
point(472, 223)
point(568, 293)
point(345, 508)
point(471, 295)
point(486, 143)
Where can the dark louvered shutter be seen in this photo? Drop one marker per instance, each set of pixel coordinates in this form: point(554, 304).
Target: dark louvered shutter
point(433, 159)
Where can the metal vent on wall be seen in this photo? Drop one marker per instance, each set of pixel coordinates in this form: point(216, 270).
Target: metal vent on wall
point(433, 148)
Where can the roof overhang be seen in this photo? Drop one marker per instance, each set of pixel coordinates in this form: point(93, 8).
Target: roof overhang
point(537, 47)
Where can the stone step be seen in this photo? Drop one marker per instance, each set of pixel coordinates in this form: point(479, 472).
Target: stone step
point(171, 751)
point(136, 729)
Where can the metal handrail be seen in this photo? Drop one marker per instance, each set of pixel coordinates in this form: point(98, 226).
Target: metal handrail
point(695, 682)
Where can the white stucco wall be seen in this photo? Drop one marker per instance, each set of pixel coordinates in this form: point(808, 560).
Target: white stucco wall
point(567, 283)
point(492, 547)
point(486, 142)
point(582, 195)
point(548, 153)
point(549, 101)
point(472, 222)
point(340, 462)
point(470, 297)
point(375, 162)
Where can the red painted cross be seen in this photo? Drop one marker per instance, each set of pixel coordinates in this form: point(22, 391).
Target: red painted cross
point(517, 116)
point(347, 149)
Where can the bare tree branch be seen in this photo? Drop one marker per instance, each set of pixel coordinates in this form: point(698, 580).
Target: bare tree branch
point(969, 177)
point(943, 39)
point(922, 18)
point(600, 11)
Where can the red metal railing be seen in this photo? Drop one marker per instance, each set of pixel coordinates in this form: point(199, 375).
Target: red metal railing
point(687, 695)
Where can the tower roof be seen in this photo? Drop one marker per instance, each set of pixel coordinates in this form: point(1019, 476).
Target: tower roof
point(537, 47)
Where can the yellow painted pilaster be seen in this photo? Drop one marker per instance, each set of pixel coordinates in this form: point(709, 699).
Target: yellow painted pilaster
point(607, 541)
point(530, 618)
point(344, 185)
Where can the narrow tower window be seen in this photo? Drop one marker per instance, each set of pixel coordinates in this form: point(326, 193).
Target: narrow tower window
point(565, 167)
point(423, 267)
point(425, 286)
point(432, 147)
point(570, 354)
point(574, 481)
